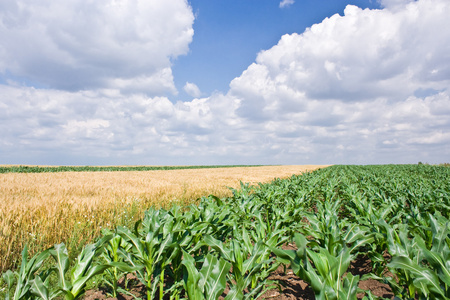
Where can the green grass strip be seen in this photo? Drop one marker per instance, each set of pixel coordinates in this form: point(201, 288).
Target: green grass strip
point(41, 169)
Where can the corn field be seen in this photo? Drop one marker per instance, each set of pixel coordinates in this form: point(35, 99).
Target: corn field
point(395, 216)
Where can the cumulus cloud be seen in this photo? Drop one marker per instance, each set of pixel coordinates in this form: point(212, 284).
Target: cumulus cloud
point(76, 45)
point(365, 80)
point(192, 90)
point(364, 54)
point(370, 86)
point(286, 3)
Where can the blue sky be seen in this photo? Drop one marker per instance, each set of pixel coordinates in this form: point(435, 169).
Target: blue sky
point(229, 34)
point(167, 82)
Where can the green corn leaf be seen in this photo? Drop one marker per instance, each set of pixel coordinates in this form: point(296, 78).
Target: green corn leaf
point(128, 236)
point(27, 272)
point(377, 257)
point(320, 261)
point(298, 259)
point(254, 273)
point(246, 240)
point(163, 248)
point(10, 279)
point(84, 268)
point(80, 283)
point(207, 269)
point(219, 247)
point(350, 287)
point(136, 265)
point(326, 293)
point(301, 243)
point(284, 256)
point(235, 293)
point(440, 234)
point(168, 225)
point(200, 226)
point(342, 263)
point(357, 236)
point(364, 240)
point(277, 238)
point(238, 263)
point(214, 273)
point(436, 260)
point(219, 201)
point(39, 289)
point(192, 278)
point(352, 233)
point(123, 266)
point(36, 262)
point(174, 253)
point(83, 262)
point(424, 287)
point(257, 253)
point(23, 265)
point(310, 275)
point(420, 274)
point(59, 253)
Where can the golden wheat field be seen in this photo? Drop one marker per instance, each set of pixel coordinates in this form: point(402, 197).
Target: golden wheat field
point(41, 209)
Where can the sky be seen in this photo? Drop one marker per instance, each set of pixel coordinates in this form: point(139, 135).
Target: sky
point(176, 82)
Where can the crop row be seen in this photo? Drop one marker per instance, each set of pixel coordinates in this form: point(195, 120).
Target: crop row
point(396, 216)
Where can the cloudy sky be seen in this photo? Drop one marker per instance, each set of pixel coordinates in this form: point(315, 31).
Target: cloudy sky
point(167, 82)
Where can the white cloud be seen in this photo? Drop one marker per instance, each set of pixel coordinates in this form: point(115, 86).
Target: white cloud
point(286, 3)
point(347, 85)
point(77, 44)
point(363, 55)
point(192, 90)
point(367, 87)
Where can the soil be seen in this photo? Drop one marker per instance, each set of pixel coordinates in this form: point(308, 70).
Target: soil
point(290, 286)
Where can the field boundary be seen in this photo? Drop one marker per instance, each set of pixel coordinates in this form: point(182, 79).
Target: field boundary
point(55, 169)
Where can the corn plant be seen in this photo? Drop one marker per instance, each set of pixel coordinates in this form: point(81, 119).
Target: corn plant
point(333, 233)
point(148, 256)
point(85, 268)
point(431, 280)
point(273, 234)
point(207, 282)
point(112, 256)
point(210, 216)
point(322, 270)
point(439, 255)
point(250, 266)
point(27, 282)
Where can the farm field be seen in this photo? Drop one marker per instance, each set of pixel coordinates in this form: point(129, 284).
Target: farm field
point(342, 232)
point(41, 209)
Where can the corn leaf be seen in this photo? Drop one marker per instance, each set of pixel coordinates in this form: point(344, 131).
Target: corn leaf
point(213, 276)
point(420, 274)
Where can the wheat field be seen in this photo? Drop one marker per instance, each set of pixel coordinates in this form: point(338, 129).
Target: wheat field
point(41, 209)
